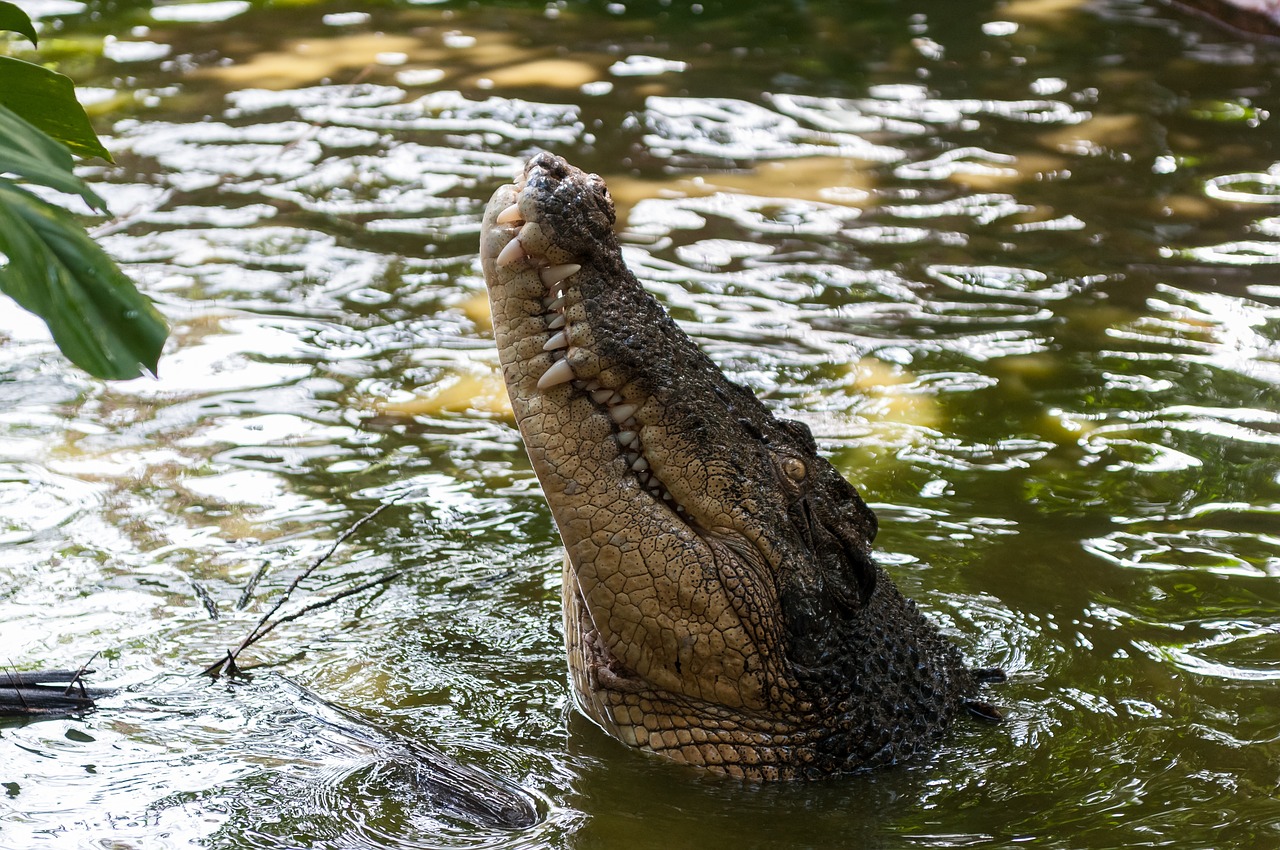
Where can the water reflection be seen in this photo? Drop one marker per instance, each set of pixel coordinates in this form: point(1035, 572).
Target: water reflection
point(301, 766)
point(1011, 265)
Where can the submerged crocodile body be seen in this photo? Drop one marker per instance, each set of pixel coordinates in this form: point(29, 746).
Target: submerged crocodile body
point(721, 604)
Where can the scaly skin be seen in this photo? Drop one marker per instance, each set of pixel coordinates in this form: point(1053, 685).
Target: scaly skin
point(721, 605)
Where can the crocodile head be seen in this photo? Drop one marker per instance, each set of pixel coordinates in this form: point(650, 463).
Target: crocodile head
point(721, 604)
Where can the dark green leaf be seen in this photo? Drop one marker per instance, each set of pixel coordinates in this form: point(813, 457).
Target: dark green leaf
point(29, 153)
point(55, 270)
point(13, 18)
point(47, 99)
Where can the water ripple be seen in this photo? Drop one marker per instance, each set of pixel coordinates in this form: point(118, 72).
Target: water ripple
point(1216, 551)
point(1004, 282)
point(253, 101)
point(1018, 290)
point(739, 130)
point(1253, 188)
point(34, 501)
point(1208, 328)
point(440, 111)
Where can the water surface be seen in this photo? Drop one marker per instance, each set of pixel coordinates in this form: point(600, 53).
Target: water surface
point(1014, 263)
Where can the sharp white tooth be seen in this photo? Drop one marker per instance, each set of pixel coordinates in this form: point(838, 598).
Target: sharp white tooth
point(640, 465)
point(627, 438)
point(592, 385)
point(552, 275)
point(512, 253)
point(602, 396)
point(556, 304)
point(622, 412)
point(559, 340)
point(557, 322)
point(511, 215)
point(559, 373)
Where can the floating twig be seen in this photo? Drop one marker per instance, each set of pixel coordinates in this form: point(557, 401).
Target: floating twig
point(266, 625)
point(78, 678)
point(247, 596)
point(210, 607)
point(47, 693)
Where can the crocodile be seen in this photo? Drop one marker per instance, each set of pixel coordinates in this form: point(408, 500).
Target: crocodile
point(722, 606)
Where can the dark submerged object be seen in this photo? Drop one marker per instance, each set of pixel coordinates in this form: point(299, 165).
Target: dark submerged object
point(722, 607)
point(1254, 17)
point(470, 794)
point(449, 787)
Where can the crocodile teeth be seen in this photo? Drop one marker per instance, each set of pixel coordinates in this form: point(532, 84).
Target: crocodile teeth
point(559, 373)
point(511, 215)
point(554, 278)
point(552, 275)
point(513, 252)
point(622, 412)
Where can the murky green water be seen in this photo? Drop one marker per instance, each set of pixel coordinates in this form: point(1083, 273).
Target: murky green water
point(1015, 263)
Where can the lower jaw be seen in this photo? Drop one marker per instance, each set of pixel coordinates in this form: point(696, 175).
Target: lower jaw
point(586, 661)
point(617, 704)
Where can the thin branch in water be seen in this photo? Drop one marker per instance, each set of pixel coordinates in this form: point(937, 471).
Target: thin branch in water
point(202, 594)
point(318, 562)
point(247, 596)
point(266, 625)
point(47, 693)
point(222, 665)
point(78, 678)
point(16, 679)
point(323, 603)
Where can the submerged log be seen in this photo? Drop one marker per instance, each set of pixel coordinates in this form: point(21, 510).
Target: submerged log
point(469, 793)
point(1256, 17)
point(446, 785)
point(46, 693)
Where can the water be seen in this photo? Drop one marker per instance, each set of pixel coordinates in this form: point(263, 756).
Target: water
point(1014, 264)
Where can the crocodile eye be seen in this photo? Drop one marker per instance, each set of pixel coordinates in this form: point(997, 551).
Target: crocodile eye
point(794, 469)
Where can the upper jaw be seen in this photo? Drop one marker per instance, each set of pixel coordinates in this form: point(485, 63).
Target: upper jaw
point(551, 261)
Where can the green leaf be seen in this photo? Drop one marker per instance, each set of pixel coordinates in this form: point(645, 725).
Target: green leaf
point(47, 99)
point(29, 153)
point(56, 270)
point(13, 18)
